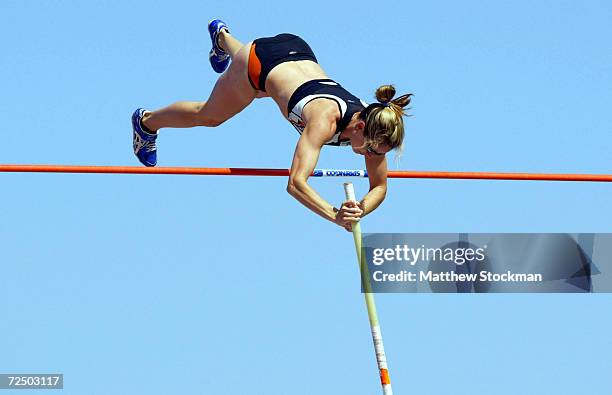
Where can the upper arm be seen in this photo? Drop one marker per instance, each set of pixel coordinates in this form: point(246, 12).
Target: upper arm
point(319, 129)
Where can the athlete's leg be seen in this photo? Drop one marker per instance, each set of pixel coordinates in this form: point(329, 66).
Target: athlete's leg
point(232, 46)
point(229, 43)
point(231, 94)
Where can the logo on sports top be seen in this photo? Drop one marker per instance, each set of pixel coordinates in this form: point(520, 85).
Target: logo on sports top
point(297, 122)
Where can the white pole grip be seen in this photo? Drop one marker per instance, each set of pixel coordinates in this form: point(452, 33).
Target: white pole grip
point(349, 191)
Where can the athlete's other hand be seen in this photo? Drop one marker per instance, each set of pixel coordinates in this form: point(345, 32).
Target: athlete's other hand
point(349, 213)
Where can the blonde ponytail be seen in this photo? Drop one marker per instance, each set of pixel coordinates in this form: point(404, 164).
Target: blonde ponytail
point(384, 122)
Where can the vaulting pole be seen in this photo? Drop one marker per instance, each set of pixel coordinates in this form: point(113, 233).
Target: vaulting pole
point(381, 358)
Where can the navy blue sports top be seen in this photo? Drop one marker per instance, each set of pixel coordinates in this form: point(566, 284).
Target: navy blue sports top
point(348, 104)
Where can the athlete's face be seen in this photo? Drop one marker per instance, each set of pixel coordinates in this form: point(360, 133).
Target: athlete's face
point(359, 146)
point(370, 151)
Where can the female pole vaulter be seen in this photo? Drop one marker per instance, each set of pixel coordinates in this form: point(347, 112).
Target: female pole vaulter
point(285, 68)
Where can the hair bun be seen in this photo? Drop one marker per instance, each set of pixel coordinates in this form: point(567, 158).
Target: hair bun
point(385, 93)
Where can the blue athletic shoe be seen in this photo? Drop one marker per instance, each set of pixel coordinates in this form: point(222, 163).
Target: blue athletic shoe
point(219, 59)
point(144, 143)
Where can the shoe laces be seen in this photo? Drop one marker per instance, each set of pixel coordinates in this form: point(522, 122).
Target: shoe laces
point(220, 55)
point(150, 145)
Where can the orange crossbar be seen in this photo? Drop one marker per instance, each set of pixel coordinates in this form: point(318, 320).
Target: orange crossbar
point(466, 175)
point(201, 171)
point(235, 171)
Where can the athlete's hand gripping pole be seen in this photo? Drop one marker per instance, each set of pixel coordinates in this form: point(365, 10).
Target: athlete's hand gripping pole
point(381, 358)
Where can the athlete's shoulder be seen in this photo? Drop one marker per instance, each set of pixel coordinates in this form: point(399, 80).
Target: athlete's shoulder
point(322, 109)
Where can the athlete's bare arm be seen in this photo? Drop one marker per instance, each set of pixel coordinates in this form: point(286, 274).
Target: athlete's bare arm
point(377, 173)
point(305, 158)
point(318, 131)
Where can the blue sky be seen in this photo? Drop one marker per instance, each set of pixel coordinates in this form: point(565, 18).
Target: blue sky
point(197, 285)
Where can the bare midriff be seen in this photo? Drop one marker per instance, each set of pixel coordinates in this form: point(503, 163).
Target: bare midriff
point(285, 78)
